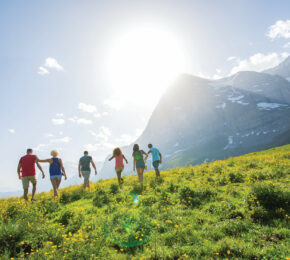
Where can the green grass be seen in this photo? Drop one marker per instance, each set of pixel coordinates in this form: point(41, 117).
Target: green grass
point(236, 209)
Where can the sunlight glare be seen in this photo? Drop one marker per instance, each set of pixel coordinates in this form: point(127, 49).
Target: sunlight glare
point(143, 62)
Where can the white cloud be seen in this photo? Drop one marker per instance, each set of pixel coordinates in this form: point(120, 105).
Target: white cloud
point(97, 115)
point(286, 45)
point(59, 115)
point(48, 135)
point(102, 135)
point(216, 76)
point(259, 62)
point(52, 63)
point(231, 58)
point(281, 29)
point(57, 121)
point(99, 146)
point(80, 121)
point(105, 130)
point(87, 108)
point(39, 147)
point(65, 139)
point(11, 131)
point(101, 138)
point(42, 71)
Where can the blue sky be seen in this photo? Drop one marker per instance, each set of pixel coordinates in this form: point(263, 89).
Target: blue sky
point(56, 91)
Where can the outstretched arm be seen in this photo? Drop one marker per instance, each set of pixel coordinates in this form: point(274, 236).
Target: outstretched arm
point(62, 168)
point(18, 170)
point(44, 160)
point(110, 159)
point(125, 159)
point(92, 162)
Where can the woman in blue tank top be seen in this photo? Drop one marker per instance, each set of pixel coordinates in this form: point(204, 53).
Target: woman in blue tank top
point(56, 170)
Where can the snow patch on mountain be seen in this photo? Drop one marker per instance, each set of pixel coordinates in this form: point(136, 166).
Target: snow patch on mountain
point(230, 141)
point(269, 106)
point(223, 106)
point(234, 99)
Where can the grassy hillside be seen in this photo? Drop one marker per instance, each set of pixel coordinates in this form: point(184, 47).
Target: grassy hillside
point(237, 208)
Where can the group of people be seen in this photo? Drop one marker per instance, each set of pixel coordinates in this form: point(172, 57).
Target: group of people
point(27, 173)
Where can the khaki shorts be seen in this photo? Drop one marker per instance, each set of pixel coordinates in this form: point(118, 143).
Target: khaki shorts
point(26, 180)
point(86, 175)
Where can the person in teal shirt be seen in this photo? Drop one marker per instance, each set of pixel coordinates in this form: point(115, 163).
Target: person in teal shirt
point(156, 158)
point(85, 168)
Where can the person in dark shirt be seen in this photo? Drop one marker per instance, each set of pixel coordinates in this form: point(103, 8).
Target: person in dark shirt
point(85, 168)
point(139, 162)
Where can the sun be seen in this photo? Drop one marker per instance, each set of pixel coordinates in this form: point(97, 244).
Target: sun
point(143, 62)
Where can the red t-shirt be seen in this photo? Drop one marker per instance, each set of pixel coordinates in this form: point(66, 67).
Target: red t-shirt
point(27, 163)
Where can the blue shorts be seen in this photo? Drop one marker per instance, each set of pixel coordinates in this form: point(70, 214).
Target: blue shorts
point(140, 164)
point(56, 177)
point(156, 164)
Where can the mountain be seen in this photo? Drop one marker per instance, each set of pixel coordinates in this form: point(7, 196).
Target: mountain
point(200, 120)
point(283, 69)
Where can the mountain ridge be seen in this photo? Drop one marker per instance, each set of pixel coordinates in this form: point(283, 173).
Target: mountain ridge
point(243, 112)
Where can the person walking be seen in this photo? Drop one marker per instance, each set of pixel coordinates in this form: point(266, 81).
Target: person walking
point(26, 172)
point(156, 158)
point(139, 162)
point(85, 168)
point(56, 170)
point(119, 163)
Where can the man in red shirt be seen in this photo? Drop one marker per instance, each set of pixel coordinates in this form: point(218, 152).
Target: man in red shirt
point(26, 165)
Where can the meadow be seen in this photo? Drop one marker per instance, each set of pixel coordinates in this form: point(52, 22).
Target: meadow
point(232, 209)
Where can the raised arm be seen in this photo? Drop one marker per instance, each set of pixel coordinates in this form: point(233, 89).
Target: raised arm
point(62, 168)
point(94, 166)
point(146, 156)
point(19, 169)
point(39, 166)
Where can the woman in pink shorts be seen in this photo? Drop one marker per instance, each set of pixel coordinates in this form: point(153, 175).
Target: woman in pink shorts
point(119, 163)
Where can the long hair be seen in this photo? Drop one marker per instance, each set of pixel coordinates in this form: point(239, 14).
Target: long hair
point(117, 151)
point(135, 148)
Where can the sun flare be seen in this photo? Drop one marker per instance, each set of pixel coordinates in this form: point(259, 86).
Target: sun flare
point(144, 61)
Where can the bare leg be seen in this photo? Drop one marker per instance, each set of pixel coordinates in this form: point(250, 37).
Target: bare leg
point(140, 176)
point(157, 172)
point(54, 186)
point(57, 185)
point(33, 191)
point(119, 177)
point(25, 194)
